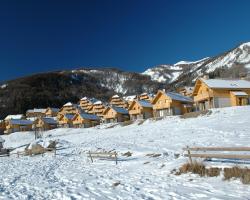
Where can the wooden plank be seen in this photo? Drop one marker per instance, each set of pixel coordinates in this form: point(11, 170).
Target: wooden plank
point(217, 148)
point(223, 156)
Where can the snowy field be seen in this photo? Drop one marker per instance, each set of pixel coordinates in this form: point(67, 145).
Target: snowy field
point(71, 175)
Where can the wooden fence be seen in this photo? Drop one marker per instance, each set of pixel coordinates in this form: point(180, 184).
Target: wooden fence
point(202, 152)
point(103, 155)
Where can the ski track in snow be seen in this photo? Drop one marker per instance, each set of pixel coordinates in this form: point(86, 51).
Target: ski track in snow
point(71, 175)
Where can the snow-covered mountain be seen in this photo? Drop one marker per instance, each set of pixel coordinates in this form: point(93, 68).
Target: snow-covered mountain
point(238, 57)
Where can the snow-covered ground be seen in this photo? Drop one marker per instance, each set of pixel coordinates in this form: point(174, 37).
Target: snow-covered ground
point(71, 175)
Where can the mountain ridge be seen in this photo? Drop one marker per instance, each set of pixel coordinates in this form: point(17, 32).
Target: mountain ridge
point(60, 86)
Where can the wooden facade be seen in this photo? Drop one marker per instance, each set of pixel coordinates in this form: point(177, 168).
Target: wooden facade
point(140, 109)
point(217, 93)
point(69, 108)
point(85, 120)
point(66, 120)
point(118, 102)
point(36, 112)
point(115, 114)
point(186, 91)
point(146, 96)
point(45, 123)
point(97, 109)
point(85, 103)
point(17, 125)
point(51, 112)
point(171, 103)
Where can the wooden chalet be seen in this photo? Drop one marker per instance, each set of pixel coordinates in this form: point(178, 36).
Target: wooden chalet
point(85, 103)
point(45, 123)
point(17, 125)
point(36, 112)
point(115, 114)
point(51, 112)
point(85, 120)
point(118, 102)
point(146, 96)
point(130, 99)
point(218, 93)
point(66, 120)
point(97, 108)
point(140, 109)
point(171, 103)
point(186, 91)
point(69, 108)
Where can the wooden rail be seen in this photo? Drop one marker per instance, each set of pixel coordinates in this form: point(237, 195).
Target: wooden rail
point(103, 155)
point(217, 155)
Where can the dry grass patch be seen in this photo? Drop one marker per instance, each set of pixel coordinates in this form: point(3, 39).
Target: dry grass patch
point(128, 154)
point(195, 168)
point(229, 173)
point(126, 123)
point(196, 114)
point(236, 172)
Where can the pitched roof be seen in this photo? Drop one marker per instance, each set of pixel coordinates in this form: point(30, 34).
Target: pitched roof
point(89, 116)
point(69, 116)
point(120, 110)
point(228, 84)
point(84, 98)
point(68, 104)
point(145, 104)
point(19, 116)
point(55, 109)
point(239, 93)
point(115, 96)
point(21, 122)
point(129, 98)
point(97, 102)
point(49, 120)
point(179, 97)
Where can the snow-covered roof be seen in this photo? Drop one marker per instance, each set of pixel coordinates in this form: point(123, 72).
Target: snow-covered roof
point(179, 97)
point(89, 116)
point(145, 103)
point(21, 122)
point(144, 94)
point(120, 110)
point(228, 84)
point(84, 98)
point(19, 116)
point(68, 104)
point(36, 110)
point(115, 96)
point(129, 98)
point(49, 120)
point(239, 93)
point(97, 102)
point(39, 110)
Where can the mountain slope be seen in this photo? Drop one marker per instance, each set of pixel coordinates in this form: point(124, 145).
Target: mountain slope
point(55, 88)
point(231, 64)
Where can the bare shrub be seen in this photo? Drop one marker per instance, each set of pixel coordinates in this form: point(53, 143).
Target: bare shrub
point(195, 168)
point(236, 172)
point(213, 171)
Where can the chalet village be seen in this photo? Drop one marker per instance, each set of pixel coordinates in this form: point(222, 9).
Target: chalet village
point(89, 112)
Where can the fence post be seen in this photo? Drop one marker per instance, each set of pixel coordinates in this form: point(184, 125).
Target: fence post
point(116, 161)
point(90, 157)
point(189, 155)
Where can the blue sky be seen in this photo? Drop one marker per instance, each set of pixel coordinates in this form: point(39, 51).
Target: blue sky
point(39, 36)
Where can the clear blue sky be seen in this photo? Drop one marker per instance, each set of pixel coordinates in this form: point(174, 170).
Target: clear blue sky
point(46, 35)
